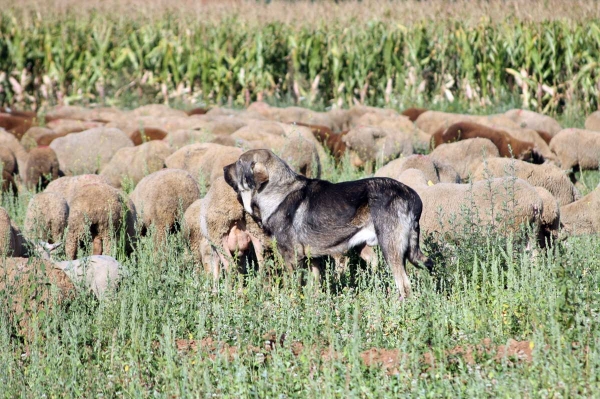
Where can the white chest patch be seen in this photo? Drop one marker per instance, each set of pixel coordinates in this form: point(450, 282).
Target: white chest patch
point(247, 200)
point(364, 236)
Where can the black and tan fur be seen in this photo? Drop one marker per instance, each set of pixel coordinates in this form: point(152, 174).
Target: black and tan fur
point(311, 218)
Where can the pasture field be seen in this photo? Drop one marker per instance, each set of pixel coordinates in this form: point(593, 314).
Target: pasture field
point(496, 319)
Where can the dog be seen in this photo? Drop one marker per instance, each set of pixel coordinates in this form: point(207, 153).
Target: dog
point(311, 218)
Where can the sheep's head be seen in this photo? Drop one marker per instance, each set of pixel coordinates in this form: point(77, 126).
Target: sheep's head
point(44, 249)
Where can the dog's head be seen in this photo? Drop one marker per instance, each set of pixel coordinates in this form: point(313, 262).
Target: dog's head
point(253, 172)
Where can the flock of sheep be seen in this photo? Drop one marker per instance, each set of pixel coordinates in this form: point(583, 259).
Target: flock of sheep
point(78, 162)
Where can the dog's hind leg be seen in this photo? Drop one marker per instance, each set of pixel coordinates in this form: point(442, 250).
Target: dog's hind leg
point(394, 240)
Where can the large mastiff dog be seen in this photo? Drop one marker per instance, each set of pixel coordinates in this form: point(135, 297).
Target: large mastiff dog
point(311, 218)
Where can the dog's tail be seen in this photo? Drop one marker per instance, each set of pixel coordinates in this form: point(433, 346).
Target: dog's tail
point(414, 255)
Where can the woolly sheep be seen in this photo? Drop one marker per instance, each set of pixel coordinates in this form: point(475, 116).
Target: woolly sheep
point(68, 186)
point(205, 160)
point(464, 156)
point(32, 283)
point(533, 120)
point(413, 113)
point(9, 141)
point(507, 145)
point(374, 144)
point(8, 163)
point(136, 162)
point(540, 145)
point(180, 138)
point(400, 123)
point(433, 171)
point(444, 204)
point(31, 137)
point(88, 151)
point(158, 111)
point(64, 127)
point(302, 155)
point(98, 210)
point(577, 148)
point(162, 197)
point(47, 216)
point(592, 122)
point(547, 175)
point(41, 168)
point(432, 121)
point(97, 273)
point(225, 226)
point(583, 216)
point(12, 242)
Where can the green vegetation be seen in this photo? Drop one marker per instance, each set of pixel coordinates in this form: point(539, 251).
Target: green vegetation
point(97, 57)
point(168, 332)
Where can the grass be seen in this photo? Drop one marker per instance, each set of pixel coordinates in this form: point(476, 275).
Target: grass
point(167, 333)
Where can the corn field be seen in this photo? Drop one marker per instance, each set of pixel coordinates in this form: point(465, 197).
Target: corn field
point(551, 65)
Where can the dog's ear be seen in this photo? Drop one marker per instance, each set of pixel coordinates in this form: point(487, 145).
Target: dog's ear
point(229, 172)
point(261, 175)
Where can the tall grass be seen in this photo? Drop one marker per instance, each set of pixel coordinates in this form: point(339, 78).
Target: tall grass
point(98, 57)
point(167, 332)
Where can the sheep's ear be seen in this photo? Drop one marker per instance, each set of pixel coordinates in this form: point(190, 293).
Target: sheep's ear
point(261, 175)
point(51, 247)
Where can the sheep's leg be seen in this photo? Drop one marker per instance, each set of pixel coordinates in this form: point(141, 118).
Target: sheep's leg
point(258, 250)
point(368, 255)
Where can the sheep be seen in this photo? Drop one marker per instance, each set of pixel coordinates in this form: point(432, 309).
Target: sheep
point(434, 172)
point(64, 127)
point(577, 149)
point(99, 210)
point(540, 144)
point(374, 144)
point(582, 216)
point(226, 230)
point(413, 113)
point(100, 274)
point(157, 111)
point(136, 162)
point(432, 121)
point(549, 219)
point(218, 124)
point(46, 217)
point(16, 125)
point(161, 198)
point(88, 151)
point(302, 155)
point(142, 135)
point(547, 175)
point(32, 284)
point(400, 123)
point(8, 164)
point(465, 156)
point(47, 214)
point(9, 141)
point(444, 205)
point(68, 112)
point(244, 114)
point(204, 160)
point(330, 140)
point(41, 167)
point(31, 137)
point(180, 138)
point(357, 111)
point(12, 242)
point(506, 144)
point(196, 111)
point(592, 122)
point(533, 120)
point(68, 186)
